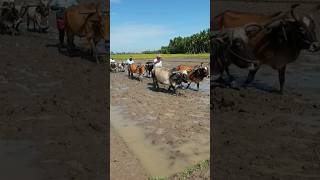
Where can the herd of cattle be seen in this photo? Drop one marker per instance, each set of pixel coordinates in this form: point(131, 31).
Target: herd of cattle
point(250, 40)
point(83, 20)
point(173, 77)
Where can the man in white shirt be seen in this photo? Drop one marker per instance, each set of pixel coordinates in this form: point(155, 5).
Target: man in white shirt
point(130, 61)
point(157, 61)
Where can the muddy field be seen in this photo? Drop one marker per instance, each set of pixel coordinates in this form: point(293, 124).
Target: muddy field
point(164, 133)
point(53, 111)
point(260, 134)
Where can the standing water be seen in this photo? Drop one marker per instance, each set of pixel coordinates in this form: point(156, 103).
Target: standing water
point(155, 160)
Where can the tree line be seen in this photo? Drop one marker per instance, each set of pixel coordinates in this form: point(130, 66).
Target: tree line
point(194, 44)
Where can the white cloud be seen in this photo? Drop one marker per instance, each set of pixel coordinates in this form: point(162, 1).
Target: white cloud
point(138, 37)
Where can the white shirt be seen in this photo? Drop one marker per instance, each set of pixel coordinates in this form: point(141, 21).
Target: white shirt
point(159, 64)
point(130, 62)
point(112, 61)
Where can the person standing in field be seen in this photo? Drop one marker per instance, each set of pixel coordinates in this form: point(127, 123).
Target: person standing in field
point(60, 6)
point(130, 61)
point(157, 61)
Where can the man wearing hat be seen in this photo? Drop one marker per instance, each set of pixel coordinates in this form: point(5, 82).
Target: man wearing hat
point(157, 61)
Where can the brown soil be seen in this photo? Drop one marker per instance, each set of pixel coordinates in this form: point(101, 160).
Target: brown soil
point(168, 121)
point(260, 134)
point(57, 104)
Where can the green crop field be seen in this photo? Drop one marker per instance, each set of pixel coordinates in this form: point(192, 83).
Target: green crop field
point(152, 56)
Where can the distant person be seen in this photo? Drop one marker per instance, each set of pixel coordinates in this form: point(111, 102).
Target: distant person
point(60, 6)
point(130, 61)
point(157, 61)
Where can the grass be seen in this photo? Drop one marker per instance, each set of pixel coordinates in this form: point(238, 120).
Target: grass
point(152, 56)
point(186, 174)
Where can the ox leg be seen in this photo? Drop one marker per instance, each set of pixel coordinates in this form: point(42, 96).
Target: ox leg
point(282, 73)
point(251, 76)
point(198, 84)
point(188, 85)
point(230, 77)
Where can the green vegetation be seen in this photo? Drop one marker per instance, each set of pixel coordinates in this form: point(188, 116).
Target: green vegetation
point(187, 173)
point(152, 56)
point(195, 44)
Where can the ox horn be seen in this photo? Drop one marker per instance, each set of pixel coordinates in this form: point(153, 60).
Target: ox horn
point(292, 11)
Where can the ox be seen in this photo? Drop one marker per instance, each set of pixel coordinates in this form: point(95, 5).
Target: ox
point(232, 46)
point(85, 20)
point(9, 18)
point(168, 77)
point(281, 40)
point(137, 69)
point(38, 14)
point(149, 66)
point(197, 75)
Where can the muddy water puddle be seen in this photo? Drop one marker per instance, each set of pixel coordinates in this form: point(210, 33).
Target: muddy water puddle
point(157, 160)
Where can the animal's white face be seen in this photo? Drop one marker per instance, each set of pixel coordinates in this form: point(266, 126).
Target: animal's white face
point(306, 21)
point(240, 33)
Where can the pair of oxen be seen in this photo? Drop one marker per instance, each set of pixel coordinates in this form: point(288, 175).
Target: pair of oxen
point(172, 77)
point(12, 15)
point(250, 40)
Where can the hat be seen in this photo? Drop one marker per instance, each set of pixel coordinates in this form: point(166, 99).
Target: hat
point(159, 55)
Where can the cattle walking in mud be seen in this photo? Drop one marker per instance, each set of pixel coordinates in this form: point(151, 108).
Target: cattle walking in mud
point(195, 74)
point(280, 40)
point(136, 69)
point(86, 20)
point(149, 66)
point(9, 18)
point(168, 77)
point(38, 15)
point(232, 46)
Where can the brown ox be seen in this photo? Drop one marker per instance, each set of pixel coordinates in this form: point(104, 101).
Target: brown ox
point(231, 19)
point(280, 41)
point(185, 68)
point(137, 69)
point(86, 20)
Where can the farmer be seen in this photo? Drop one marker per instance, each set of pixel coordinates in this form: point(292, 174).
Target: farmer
point(157, 61)
point(60, 6)
point(130, 61)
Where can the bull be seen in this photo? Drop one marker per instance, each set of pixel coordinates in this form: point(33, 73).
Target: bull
point(280, 41)
point(38, 14)
point(9, 18)
point(149, 66)
point(137, 69)
point(168, 77)
point(232, 46)
point(86, 20)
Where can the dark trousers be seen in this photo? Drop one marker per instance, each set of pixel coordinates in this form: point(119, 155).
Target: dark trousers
point(61, 36)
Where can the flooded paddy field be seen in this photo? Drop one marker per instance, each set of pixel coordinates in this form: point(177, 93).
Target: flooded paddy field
point(165, 133)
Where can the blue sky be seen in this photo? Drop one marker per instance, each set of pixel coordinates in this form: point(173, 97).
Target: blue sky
point(138, 25)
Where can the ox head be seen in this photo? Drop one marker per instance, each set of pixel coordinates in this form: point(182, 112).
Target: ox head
point(100, 22)
point(239, 50)
point(300, 28)
point(44, 8)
